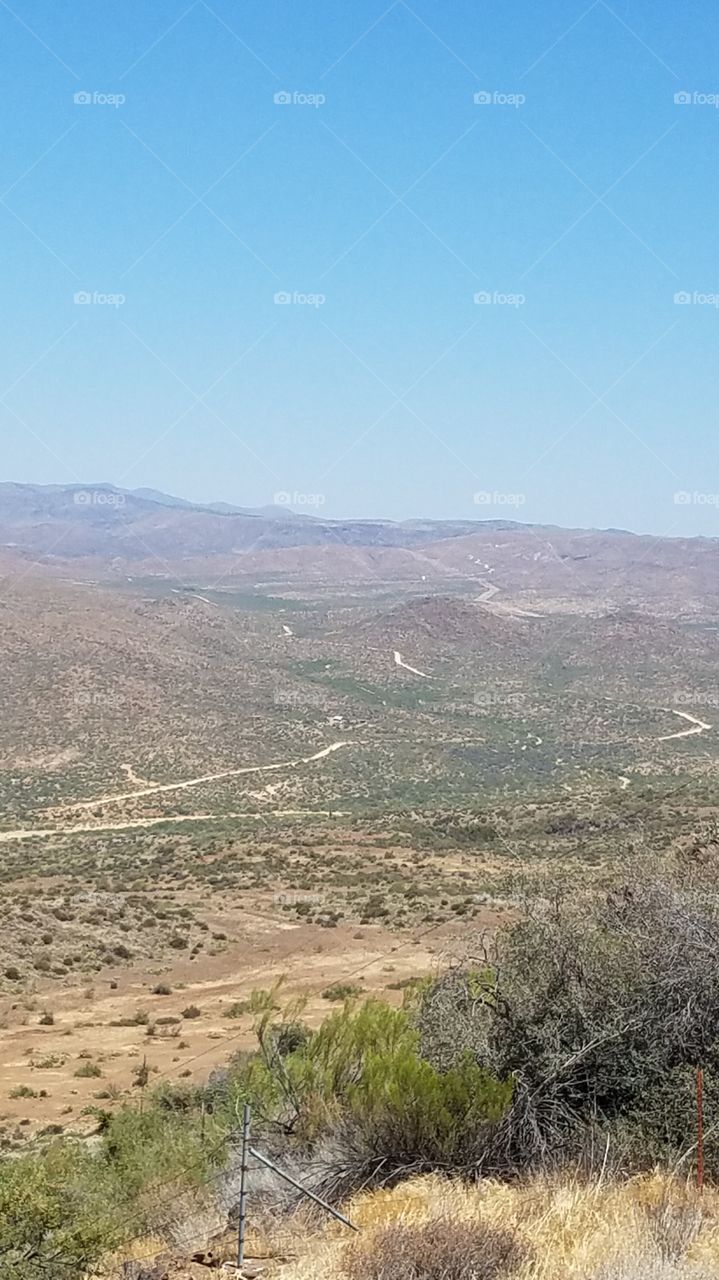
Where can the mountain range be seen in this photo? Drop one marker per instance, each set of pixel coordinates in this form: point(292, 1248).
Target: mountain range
point(107, 532)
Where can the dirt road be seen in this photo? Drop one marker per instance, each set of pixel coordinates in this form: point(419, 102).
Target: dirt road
point(28, 833)
point(158, 787)
point(698, 726)
point(399, 662)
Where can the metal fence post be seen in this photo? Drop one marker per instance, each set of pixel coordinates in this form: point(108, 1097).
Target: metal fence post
point(243, 1187)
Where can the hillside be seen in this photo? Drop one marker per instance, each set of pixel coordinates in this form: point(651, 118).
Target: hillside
point(438, 623)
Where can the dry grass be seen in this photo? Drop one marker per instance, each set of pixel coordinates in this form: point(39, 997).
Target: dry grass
point(442, 1249)
point(644, 1229)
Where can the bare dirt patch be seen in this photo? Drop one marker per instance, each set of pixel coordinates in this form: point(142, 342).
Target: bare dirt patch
point(95, 1024)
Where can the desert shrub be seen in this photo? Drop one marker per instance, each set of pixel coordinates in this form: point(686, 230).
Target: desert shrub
point(53, 1223)
point(260, 1002)
point(443, 1249)
point(600, 1007)
point(191, 1011)
point(341, 991)
point(88, 1071)
point(162, 989)
point(237, 1009)
point(143, 1149)
point(359, 1088)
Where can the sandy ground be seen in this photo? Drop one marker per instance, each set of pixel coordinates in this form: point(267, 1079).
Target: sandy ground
point(310, 957)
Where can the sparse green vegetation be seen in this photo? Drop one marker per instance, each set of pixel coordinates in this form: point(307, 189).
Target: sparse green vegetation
point(341, 991)
point(88, 1071)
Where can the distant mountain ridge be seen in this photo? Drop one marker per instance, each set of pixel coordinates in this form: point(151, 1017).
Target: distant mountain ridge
point(101, 531)
point(104, 520)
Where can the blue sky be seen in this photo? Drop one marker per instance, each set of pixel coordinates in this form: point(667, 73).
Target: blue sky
point(382, 199)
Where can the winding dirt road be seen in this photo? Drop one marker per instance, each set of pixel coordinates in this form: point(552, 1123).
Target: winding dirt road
point(158, 787)
point(27, 833)
point(697, 726)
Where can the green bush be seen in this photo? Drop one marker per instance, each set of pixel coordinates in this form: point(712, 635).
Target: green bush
point(341, 991)
point(53, 1223)
point(359, 1084)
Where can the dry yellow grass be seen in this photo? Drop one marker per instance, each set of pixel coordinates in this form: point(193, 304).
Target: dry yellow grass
point(649, 1228)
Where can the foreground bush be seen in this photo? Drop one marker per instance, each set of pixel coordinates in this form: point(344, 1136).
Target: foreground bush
point(600, 1009)
point(53, 1225)
point(360, 1096)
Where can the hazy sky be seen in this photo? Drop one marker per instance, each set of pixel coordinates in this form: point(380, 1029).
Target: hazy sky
point(382, 198)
